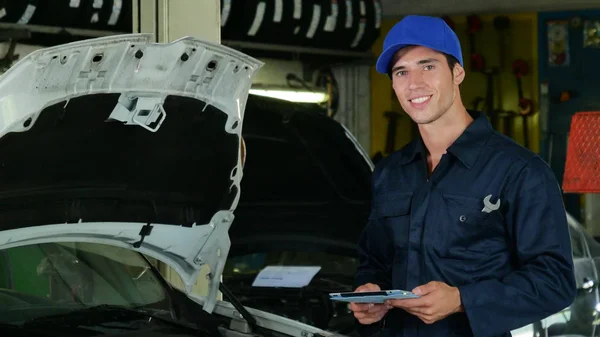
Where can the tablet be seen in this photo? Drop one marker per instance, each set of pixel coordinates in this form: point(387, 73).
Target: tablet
point(372, 296)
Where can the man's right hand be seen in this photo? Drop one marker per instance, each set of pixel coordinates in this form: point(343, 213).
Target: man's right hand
point(368, 313)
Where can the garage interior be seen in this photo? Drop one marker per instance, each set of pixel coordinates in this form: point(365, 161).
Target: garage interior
point(531, 65)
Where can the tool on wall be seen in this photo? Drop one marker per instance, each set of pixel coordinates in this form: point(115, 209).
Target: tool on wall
point(390, 142)
point(520, 69)
point(563, 96)
point(489, 95)
point(477, 62)
point(501, 25)
point(474, 26)
point(477, 103)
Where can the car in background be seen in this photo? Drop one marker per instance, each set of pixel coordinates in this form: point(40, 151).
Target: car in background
point(116, 153)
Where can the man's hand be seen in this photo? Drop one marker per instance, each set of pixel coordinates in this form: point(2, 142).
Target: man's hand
point(437, 301)
point(368, 313)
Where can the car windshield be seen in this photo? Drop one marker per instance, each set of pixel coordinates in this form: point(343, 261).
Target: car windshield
point(56, 278)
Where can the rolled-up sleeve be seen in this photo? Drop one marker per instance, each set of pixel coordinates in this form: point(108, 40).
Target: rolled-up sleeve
point(542, 282)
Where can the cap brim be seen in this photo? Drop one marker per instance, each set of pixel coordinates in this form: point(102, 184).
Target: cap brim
point(383, 62)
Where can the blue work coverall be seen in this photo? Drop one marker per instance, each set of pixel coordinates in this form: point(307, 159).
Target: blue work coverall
point(509, 255)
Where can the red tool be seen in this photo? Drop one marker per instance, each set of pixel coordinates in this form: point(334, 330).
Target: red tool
point(520, 69)
point(474, 25)
point(501, 25)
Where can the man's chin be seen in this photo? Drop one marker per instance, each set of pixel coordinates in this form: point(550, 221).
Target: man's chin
point(424, 120)
point(424, 117)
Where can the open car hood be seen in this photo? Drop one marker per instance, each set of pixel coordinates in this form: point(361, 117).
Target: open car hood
point(126, 142)
point(307, 182)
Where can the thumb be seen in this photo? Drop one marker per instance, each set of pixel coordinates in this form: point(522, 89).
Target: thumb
point(426, 288)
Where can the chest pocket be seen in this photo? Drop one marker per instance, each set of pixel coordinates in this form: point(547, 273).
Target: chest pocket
point(467, 228)
point(392, 210)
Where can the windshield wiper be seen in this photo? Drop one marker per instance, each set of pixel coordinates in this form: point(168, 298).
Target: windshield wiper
point(238, 306)
point(174, 303)
point(103, 312)
point(100, 314)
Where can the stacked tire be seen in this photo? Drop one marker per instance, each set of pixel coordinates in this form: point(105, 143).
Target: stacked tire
point(331, 24)
point(108, 15)
point(19, 11)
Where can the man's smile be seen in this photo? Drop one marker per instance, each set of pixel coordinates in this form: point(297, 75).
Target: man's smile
point(420, 99)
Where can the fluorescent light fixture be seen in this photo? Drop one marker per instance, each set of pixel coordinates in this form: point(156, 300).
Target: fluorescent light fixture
point(292, 95)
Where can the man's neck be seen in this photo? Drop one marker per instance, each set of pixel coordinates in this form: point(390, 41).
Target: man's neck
point(439, 135)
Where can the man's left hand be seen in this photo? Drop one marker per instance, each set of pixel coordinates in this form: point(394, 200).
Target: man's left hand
point(437, 301)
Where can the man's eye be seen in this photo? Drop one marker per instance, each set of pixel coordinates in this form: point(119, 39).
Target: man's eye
point(401, 73)
point(429, 67)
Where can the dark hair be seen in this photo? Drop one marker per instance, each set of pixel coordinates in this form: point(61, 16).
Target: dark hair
point(451, 60)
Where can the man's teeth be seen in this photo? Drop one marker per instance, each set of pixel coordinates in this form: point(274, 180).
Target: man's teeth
point(420, 99)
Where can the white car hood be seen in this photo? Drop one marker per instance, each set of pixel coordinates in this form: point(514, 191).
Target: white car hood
point(135, 67)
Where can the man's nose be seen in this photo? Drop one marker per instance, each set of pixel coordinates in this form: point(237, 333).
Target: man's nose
point(415, 80)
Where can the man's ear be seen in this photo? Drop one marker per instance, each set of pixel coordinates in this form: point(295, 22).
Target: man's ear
point(458, 74)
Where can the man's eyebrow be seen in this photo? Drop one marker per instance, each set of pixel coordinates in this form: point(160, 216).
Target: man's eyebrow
point(429, 60)
point(424, 61)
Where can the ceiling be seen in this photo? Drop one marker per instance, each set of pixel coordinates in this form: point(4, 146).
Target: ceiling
point(396, 8)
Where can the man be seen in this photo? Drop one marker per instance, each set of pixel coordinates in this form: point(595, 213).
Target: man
point(464, 217)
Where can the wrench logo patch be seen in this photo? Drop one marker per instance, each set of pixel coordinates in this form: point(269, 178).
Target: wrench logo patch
point(488, 207)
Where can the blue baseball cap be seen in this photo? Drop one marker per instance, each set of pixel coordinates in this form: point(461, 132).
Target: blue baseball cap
point(418, 30)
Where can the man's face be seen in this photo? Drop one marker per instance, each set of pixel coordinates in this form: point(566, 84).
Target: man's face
point(424, 84)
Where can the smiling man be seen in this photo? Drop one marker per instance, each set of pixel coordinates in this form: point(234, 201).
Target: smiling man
point(462, 216)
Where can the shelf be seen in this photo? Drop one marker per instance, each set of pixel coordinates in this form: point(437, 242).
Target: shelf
point(312, 55)
point(297, 49)
point(58, 30)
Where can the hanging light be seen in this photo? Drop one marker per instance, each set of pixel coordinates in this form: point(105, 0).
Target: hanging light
point(298, 96)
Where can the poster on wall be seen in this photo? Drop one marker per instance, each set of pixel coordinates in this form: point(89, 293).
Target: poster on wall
point(558, 43)
point(591, 34)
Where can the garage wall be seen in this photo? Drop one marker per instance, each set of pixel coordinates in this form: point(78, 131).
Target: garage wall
point(274, 72)
point(445, 7)
point(522, 40)
point(521, 43)
point(579, 76)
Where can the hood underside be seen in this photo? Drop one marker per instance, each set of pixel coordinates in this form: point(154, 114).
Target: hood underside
point(306, 183)
point(127, 142)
